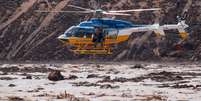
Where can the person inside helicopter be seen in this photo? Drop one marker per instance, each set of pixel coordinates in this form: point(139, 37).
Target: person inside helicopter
point(98, 37)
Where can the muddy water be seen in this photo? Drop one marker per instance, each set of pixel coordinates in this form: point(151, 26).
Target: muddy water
point(101, 82)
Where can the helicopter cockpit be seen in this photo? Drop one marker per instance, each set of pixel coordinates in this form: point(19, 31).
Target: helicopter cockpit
point(87, 32)
point(82, 32)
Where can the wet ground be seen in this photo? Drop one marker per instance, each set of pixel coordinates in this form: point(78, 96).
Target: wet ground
point(101, 82)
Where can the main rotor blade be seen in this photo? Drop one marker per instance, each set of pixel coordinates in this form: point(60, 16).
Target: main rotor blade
point(135, 10)
point(80, 8)
point(123, 14)
point(64, 11)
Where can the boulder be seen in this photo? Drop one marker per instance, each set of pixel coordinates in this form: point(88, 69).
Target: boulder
point(55, 75)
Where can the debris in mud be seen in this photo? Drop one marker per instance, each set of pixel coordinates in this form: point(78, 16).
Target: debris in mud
point(113, 71)
point(19, 90)
point(93, 76)
point(88, 94)
point(25, 69)
point(75, 71)
point(7, 78)
point(55, 75)
point(11, 85)
point(9, 69)
point(198, 86)
point(43, 95)
point(96, 76)
point(164, 76)
point(87, 84)
point(70, 97)
point(35, 90)
point(185, 86)
point(99, 68)
point(137, 66)
point(107, 78)
point(4, 73)
point(14, 98)
point(107, 86)
point(101, 95)
point(159, 77)
point(28, 77)
point(122, 79)
point(126, 95)
point(52, 83)
point(72, 77)
point(35, 69)
point(155, 98)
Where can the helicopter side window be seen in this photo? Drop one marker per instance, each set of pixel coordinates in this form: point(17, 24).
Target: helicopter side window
point(83, 32)
point(111, 33)
point(89, 33)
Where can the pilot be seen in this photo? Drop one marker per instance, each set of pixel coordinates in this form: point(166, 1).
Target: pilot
point(98, 37)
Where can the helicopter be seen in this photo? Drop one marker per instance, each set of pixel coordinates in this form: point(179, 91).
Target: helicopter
point(80, 36)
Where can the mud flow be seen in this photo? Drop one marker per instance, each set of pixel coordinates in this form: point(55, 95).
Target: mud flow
point(100, 82)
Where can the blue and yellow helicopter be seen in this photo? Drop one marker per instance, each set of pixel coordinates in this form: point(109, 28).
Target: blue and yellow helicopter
point(115, 31)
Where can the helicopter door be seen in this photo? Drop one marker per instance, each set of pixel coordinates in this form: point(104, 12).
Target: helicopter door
point(111, 34)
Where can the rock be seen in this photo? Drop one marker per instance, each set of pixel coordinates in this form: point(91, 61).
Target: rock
point(11, 85)
point(55, 75)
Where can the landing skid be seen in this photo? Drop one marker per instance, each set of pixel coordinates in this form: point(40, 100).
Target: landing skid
point(93, 51)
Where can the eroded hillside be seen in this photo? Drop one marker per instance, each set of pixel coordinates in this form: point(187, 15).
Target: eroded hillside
point(29, 35)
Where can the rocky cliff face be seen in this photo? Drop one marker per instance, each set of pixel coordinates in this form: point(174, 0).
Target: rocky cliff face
point(29, 35)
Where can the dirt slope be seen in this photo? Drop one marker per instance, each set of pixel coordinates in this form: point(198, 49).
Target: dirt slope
point(29, 35)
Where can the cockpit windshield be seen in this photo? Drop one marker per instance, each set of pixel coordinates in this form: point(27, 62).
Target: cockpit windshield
point(75, 31)
point(69, 32)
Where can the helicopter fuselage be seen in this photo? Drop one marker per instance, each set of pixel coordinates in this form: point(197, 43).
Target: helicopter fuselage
point(115, 31)
point(83, 33)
